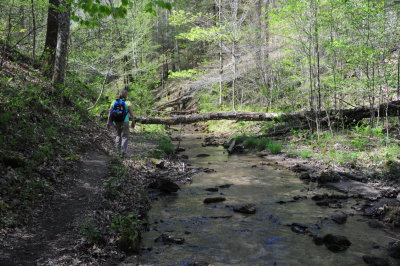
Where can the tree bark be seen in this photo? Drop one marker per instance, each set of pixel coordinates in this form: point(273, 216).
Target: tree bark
point(34, 33)
point(221, 62)
point(62, 46)
point(349, 115)
point(50, 46)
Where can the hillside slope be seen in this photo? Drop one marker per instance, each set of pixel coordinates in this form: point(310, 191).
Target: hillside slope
point(41, 136)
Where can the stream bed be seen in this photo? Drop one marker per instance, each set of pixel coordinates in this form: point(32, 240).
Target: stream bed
point(215, 234)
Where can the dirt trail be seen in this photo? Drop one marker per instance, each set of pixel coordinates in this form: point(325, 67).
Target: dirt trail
point(51, 235)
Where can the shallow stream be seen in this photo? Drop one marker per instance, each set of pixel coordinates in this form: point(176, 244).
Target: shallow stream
point(215, 234)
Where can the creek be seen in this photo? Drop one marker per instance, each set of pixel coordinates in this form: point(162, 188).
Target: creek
point(215, 234)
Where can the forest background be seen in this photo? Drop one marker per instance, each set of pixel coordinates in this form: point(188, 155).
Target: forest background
point(275, 56)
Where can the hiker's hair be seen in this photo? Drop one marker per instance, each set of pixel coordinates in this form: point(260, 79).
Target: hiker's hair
point(123, 94)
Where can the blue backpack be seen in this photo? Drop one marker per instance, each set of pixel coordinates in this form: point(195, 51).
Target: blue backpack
point(118, 112)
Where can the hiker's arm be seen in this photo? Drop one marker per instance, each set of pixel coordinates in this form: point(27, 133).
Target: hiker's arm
point(108, 119)
point(132, 116)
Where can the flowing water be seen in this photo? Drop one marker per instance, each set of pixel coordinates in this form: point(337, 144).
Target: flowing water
point(215, 234)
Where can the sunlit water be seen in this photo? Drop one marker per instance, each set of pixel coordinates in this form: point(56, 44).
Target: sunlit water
point(259, 239)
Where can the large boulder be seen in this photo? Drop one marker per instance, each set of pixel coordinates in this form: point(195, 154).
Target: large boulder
point(336, 243)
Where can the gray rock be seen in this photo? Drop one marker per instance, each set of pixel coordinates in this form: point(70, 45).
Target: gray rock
point(164, 185)
point(375, 245)
point(212, 189)
point(214, 200)
point(305, 176)
point(339, 217)
point(298, 197)
point(225, 186)
point(326, 177)
point(180, 149)
point(202, 155)
point(375, 224)
point(336, 243)
point(394, 249)
point(318, 240)
point(319, 197)
point(299, 228)
point(375, 261)
point(166, 239)
point(298, 168)
point(246, 209)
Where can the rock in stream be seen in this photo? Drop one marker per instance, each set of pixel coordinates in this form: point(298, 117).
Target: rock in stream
point(336, 243)
point(246, 209)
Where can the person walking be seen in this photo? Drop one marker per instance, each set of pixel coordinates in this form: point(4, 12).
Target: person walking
point(119, 114)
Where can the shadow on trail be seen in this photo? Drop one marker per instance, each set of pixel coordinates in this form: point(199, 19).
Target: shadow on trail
point(50, 236)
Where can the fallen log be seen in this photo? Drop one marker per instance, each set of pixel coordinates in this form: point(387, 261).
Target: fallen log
point(347, 116)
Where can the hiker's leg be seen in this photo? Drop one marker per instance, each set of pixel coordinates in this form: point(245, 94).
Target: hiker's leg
point(118, 139)
point(125, 138)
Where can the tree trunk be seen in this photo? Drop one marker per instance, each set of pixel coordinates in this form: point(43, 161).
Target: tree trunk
point(9, 27)
point(398, 82)
point(221, 60)
point(62, 46)
point(234, 75)
point(349, 115)
point(34, 33)
point(50, 46)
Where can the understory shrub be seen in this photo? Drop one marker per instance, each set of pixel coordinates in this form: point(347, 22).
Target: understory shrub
point(166, 146)
point(275, 147)
point(129, 234)
point(253, 143)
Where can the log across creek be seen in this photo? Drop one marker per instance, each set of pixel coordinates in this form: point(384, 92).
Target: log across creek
point(346, 116)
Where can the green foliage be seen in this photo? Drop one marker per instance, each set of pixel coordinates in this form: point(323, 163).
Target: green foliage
point(305, 154)
point(166, 146)
point(275, 147)
point(181, 17)
point(201, 34)
point(185, 74)
point(129, 233)
point(241, 138)
point(366, 130)
point(91, 233)
point(392, 170)
point(140, 92)
point(264, 143)
point(359, 143)
point(250, 143)
point(162, 4)
point(253, 143)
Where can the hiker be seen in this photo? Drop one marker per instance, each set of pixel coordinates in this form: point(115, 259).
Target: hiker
point(119, 114)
